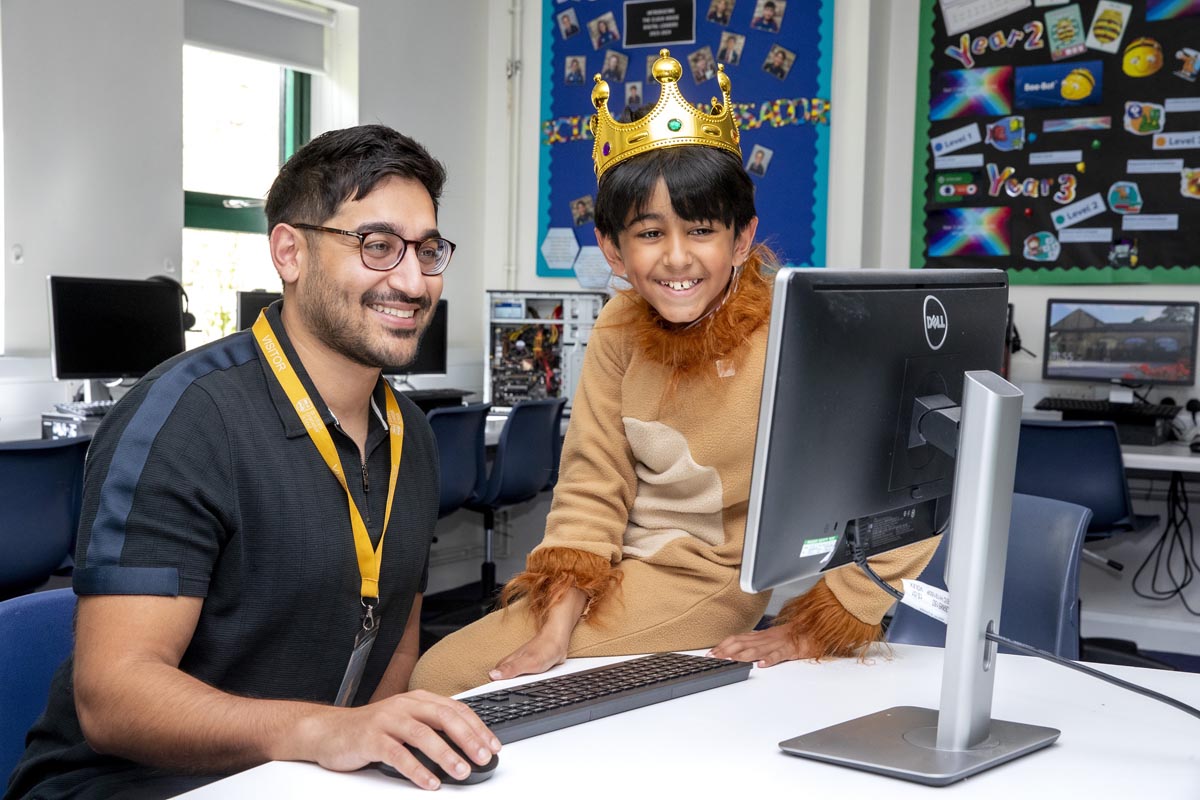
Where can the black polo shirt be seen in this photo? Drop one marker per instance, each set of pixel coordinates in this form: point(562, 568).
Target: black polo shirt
point(203, 482)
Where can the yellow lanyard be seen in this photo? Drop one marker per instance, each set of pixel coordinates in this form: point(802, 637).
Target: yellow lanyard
point(369, 558)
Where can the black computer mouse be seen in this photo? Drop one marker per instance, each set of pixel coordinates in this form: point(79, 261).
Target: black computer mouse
point(478, 773)
point(1195, 446)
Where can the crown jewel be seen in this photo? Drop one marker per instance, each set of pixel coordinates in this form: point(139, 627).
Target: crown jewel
point(673, 122)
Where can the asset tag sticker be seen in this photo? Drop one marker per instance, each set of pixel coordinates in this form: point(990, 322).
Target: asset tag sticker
point(929, 600)
point(818, 547)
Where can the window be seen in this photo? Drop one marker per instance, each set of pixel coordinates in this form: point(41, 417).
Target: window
point(242, 118)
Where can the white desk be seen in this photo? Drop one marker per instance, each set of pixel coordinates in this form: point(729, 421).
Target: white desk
point(1168, 457)
point(722, 743)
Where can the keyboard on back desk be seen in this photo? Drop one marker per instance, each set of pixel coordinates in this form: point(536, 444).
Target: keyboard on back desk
point(1106, 408)
point(552, 703)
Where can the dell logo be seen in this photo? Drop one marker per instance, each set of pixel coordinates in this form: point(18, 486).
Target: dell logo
point(936, 322)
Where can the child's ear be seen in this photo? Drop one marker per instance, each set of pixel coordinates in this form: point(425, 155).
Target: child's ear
point(612, 254)
point(744, 242)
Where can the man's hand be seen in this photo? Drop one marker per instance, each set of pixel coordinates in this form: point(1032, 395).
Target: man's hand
point(347, 739)
point(765, 648)
point(549, 646)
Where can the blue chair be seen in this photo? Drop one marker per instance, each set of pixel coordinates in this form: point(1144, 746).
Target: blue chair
point(461, 455)
point(522, 467)
point(35, 637)
point(558, 443)
point(1041, 581)
point(41, 492)
point(1079, 462)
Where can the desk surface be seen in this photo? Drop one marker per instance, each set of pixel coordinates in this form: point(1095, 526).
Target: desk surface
point(1168, 457)
point(1114, 744)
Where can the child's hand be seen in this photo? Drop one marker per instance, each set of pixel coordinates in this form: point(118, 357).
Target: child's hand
point(765, 648)
point(539, 654)
point(548, 647)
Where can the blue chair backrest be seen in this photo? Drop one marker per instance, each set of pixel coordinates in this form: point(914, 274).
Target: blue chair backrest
point(459, 434)
point(35, 638)
point(524, 459)
point(1076, 462)
point(41, 491)
point(1041, 581)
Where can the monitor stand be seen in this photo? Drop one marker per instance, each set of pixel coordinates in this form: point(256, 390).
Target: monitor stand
point(937, 747)
point(95, 390)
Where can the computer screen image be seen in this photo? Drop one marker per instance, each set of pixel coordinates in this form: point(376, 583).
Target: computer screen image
point(1133, 342)
point(880, 407)
point(108, 328)
point(430, 359)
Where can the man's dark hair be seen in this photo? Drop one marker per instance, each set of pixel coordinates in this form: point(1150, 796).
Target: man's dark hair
point(704, 184)
point(345, 165)
point(769, 4)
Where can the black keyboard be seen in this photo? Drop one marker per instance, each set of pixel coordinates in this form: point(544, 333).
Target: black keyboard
point(1106, 409)
point(547, 705)
point(90, 408)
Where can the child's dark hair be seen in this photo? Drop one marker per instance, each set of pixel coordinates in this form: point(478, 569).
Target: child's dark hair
point(344, 165)
point(704, 183)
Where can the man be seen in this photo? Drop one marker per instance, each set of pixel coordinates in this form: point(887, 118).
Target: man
point(223, 577)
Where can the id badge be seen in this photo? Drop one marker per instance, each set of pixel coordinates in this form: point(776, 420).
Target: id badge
point(364, 640)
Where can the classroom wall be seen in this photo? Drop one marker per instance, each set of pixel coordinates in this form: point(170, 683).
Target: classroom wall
point(92, 109)
point(889, 129)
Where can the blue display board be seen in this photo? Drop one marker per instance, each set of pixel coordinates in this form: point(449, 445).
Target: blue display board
point(777, 54)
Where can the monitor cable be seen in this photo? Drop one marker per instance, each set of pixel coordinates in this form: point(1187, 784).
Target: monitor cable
point(860, 559)
point(1173, 555)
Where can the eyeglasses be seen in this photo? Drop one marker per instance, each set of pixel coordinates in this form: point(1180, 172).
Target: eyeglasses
point(381, 251)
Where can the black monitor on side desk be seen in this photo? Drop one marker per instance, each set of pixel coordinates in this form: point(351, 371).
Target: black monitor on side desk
point(867, 374)
point(430, 360)
point(107, 329)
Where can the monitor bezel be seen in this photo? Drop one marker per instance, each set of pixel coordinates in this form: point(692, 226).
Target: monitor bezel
point(1050, 302)
point(52, 303)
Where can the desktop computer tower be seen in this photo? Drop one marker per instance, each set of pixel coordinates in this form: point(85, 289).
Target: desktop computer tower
point(535, 344)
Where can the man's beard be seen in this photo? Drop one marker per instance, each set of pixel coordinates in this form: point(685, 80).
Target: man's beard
point(329, 312)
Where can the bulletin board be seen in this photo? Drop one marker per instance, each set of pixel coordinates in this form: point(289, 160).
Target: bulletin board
point(1059, 139)
point(778, 61)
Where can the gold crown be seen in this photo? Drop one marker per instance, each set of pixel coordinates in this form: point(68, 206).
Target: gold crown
point(673, 122)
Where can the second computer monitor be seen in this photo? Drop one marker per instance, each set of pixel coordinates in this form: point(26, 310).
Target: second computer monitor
point(1124, 341)
point(848, 353)
point(430, 359)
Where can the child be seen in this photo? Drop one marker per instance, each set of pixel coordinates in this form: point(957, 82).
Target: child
point(644, 539)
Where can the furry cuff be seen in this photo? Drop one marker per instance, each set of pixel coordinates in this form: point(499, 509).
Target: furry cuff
point(551, 571)
point(821, 627)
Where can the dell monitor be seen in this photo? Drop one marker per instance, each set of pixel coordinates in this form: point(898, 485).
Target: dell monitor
point(879, 399)
point(108, 328)
point(1121, 341)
